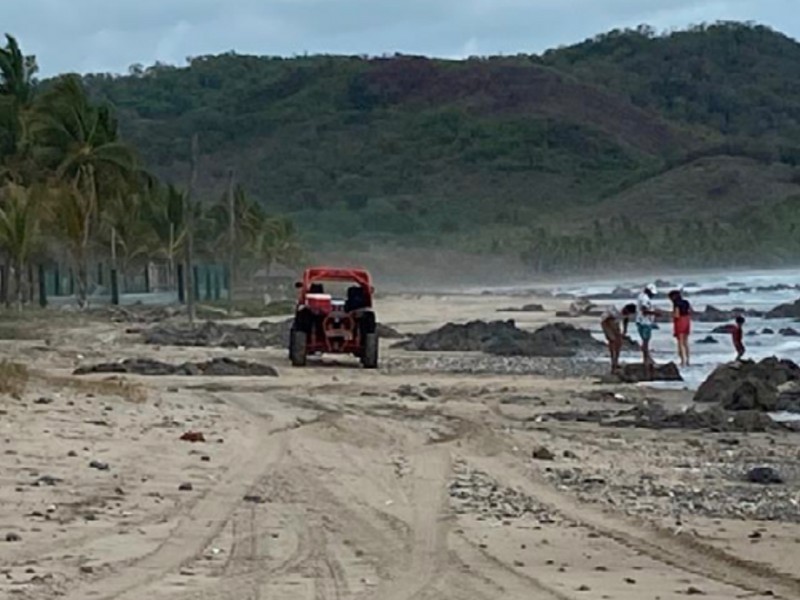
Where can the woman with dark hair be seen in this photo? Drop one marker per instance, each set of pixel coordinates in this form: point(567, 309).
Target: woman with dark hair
point(681, 324)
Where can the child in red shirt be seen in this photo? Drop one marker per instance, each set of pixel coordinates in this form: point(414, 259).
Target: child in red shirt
point(737, 333)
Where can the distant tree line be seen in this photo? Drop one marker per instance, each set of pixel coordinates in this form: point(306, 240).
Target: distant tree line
point(72, 190)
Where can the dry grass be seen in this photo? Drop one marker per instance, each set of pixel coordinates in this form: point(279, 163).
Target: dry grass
point(110, 386)
point(13, 379)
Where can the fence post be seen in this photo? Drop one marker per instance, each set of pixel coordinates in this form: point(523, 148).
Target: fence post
point(71, 283)
point(181, 284)
point(57, 282)
point(195, 282)
point(42, 287)
point(114, 287)
point(147, 279)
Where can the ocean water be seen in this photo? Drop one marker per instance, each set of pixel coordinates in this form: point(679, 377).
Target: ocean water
point(706, 357)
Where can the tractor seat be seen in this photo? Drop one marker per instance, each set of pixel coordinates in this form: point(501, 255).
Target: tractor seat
point(355, 299)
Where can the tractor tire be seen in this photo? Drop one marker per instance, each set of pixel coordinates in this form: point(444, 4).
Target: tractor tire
point(369, 357)
point(298, 344)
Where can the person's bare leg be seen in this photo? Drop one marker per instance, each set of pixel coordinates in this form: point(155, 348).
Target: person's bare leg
point(686, 349)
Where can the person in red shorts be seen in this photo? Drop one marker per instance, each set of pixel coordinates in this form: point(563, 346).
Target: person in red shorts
point(737, 334)
point(681, 324)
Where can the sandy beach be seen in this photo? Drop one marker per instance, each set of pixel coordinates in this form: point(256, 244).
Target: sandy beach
point(439, 476)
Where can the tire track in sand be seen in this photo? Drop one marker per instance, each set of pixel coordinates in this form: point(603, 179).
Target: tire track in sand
point(676, 551)
point(201, 523)
point(430, 470)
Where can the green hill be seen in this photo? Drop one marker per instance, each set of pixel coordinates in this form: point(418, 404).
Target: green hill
point(585, 154)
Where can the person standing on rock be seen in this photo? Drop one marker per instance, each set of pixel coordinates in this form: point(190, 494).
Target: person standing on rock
point(614, 331)
point(681, 324)
point(737, 335)
point(645, 323)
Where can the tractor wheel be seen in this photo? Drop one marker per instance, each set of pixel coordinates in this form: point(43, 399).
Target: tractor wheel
point(298, 344)
point(369, 358)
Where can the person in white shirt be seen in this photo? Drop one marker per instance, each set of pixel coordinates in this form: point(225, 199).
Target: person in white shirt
point(610, 323)
point(645, 321)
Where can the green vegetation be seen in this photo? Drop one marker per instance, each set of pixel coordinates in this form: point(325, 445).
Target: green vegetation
point(630, 148)
point(70, 186)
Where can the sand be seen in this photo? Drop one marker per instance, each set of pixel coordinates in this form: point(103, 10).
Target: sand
point(332, 482)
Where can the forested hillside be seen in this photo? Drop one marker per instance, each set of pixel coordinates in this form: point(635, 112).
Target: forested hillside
point(679, 149)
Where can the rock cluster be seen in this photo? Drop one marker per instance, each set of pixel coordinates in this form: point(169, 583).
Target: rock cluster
point(474, 492)
point(747, 385)
point(504, 338)
point(217, 367)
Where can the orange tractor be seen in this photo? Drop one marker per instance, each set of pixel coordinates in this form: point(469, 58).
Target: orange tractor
point(331, 323)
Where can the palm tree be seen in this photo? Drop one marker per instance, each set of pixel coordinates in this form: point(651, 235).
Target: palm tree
point(277, 243)
point(19, 230)
point(79, 144)
point(162, 210)
point(17, 88)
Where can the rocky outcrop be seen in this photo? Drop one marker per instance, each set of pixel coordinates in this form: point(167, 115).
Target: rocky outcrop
point(712, 314)
point(212, 334)
point(747, 385)
point(636, 373)
point(504, 338)
point(785, 311)
point(217, 367)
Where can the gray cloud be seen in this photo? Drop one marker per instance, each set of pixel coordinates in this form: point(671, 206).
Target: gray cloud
point(110, 35)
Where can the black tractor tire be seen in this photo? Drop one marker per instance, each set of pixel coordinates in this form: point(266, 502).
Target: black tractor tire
point(369, 357)
point(298, 344)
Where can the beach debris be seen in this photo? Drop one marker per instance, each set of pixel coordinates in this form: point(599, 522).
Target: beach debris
point(185, 487)
point(764, 476)
point(254, 499)
point(43, 400)
point(218, 367)
point(193, 437)
point(100, 466)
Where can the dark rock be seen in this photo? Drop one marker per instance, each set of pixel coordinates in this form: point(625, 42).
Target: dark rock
point(100, 466)
point(711, 314)
point(193, 436)
point(764, 476)
point(747, 385)
point(185, 487)
point(655, 416)
point(72, 454)
point(87, 569)
point(387, 333)
point(768, 331)
point(618, 293)
point(785, 311)
point(504, 338)
point(524, 308)
point(205, 458)
point(714, 292)
point(789, 332)
point(543, 453)
point(693, 591)
point(219, 367)
point(254, 499)
point(636, 372)
point(43, 401)
point(13, 537)
point(47, 480)
point(221, 334)
point(709, 339)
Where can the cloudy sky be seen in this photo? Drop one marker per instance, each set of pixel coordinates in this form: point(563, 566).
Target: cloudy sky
point(110, 35)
